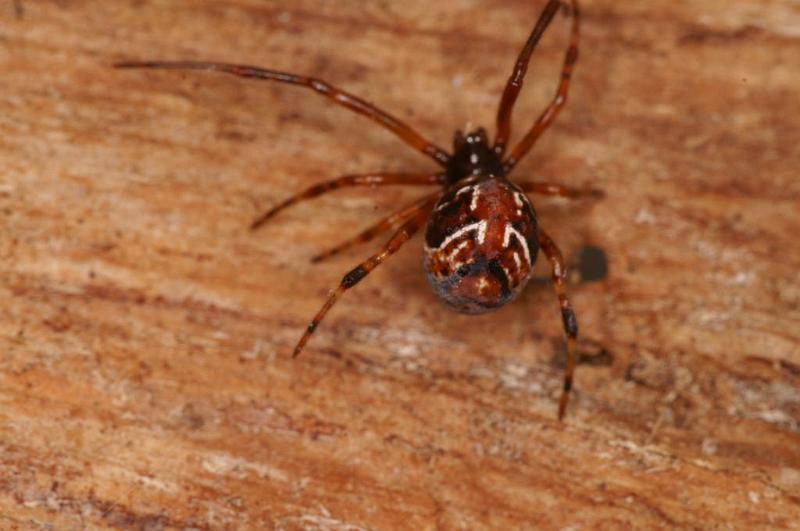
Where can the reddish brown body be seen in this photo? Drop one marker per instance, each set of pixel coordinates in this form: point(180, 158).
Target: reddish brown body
point(482, 235)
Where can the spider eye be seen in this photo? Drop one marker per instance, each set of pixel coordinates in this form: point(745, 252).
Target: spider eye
point(462, 271)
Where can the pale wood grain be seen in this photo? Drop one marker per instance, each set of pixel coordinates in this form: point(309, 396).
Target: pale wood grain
point(145, 334)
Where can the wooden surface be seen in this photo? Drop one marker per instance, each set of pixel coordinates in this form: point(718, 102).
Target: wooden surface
point(145, 334)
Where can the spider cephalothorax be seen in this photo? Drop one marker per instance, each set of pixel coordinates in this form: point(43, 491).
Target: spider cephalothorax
point(472, 155)
point(482, 235)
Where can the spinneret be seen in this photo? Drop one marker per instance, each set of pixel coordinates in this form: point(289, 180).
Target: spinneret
point(482, 235)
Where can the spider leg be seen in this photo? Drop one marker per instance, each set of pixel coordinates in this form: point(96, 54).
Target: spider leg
point(366, 179)
point(514, 83)
point(559, 190)
point(378, 228)
point(552, 110)
point(336, 95)
point(568, 318)
point(403, 234)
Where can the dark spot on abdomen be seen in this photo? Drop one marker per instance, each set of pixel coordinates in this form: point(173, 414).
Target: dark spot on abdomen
point(496, 270)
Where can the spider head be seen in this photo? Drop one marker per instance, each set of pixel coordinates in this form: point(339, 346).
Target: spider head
point(477, 137)
point(472, 155)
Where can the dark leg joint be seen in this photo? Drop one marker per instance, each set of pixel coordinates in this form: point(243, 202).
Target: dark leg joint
point(311, 327)
point(572, 55)
point(570, 322)
point(353, 277)
point(568, 385)
point(319, 189)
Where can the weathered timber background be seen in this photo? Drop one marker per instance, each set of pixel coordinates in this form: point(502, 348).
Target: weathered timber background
point(145, 334)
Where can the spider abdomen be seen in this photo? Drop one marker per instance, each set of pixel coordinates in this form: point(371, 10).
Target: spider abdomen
point(480, 244)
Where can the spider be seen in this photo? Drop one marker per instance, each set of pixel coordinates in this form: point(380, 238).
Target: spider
point(482, 235)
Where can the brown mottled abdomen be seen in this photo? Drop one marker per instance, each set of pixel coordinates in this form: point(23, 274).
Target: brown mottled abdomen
point(480, 244)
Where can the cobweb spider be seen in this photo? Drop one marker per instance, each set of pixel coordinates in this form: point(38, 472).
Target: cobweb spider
point(482, 236)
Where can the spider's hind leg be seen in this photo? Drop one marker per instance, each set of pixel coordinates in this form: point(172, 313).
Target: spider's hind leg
point(379, 227)
point(560, 190)
point(366, 179)
point(403, 234)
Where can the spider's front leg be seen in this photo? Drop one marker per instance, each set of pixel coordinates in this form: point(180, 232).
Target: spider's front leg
point(559, 100)
point(514, 83)
point(332, 93)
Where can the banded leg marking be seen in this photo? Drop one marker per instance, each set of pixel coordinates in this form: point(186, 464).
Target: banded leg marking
point(380, 227)
point(403, 234)
point(570, 322)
